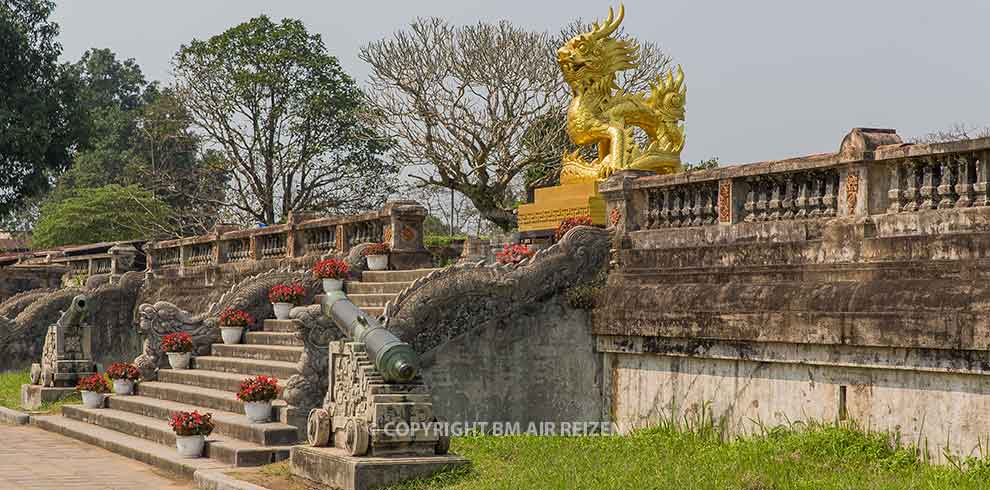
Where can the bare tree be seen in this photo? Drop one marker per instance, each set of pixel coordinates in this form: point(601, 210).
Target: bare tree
point(957, 131)
point(459, 102)
point(474, 108)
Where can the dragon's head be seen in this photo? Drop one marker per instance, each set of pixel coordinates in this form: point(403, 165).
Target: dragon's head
point(594, 57)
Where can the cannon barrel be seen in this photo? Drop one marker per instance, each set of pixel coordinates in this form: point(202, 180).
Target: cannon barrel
point(396, 360)
point(77, 311)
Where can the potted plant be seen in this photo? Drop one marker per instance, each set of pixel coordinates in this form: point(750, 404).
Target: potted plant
point(377, 255)
point(257, 394)
point(232, 324)
point(333, 272)
point(94, 390)
point(178, 346)
point(123, 376)
point(191, 429)
point(283, 297)
point(513, 254)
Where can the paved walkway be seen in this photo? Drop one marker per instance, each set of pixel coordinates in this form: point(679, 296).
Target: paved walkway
point(32, 459)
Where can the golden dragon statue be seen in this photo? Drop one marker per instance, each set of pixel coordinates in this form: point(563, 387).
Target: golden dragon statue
point(603, 114)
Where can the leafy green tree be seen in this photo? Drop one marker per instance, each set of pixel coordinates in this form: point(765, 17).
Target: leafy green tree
point(38, 113)
point(284, 115)
point(101, 214)
point(702, 165)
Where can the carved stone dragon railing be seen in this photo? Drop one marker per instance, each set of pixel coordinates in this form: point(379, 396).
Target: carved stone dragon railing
point(451, 301)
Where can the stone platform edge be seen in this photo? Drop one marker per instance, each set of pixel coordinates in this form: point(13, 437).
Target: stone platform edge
point(334, 467)
point(220, 480)
point(11, 416)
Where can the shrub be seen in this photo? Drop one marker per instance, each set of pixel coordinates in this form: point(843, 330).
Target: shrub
point(287, 293)
point(94, 383)
point(191, 423)
point(123, 370)
point(258, 389)
point(569, 223)
point(375, 249)
point(586, 296)
point(177, 342)
point(331, 269)
point(514, 254)
point(232, 317)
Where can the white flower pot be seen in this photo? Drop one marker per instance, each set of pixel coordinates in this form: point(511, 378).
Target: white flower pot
point(377, 262)
point(282, 310)
point(123, 386)
point(179, 360)
point(331, 285)
point(190, 446)
point(258, 412)
point(231, 335)
point(92, 399)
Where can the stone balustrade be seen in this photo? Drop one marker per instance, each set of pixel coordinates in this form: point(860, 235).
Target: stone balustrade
point(91, 259)
point(873, 173)
point(302, 236)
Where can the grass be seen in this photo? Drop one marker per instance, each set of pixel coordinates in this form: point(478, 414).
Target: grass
point(10, 393)
point(814, 456)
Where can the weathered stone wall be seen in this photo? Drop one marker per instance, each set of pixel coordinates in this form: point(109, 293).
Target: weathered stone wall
point(17, 279)
point(533, 368)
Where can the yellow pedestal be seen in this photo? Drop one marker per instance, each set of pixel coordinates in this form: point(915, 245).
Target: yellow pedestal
point(554, 204)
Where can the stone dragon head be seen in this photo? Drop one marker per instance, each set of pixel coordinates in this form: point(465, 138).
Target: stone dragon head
point(593, 58)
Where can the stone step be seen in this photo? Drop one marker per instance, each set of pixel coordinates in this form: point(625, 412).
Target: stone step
point(271, 338)
point(394, 276)
point(230, 424)
point(375, 311)
point(273, 325)
point(284, 353)
point(376, 300)
point(199, 396)
point(376, 287)
point(250, 367)
point(222, 448)
point(162, 457)
point(215, 380)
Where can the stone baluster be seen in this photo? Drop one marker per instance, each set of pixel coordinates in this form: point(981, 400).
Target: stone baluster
point(709, 208)
point(801, 201)
point(675, 209)
point(928, 188)
point(698, 209)
point(829, 201)
point(787, 203)
point(664, 208)
point(815, 199)
point(761, 199)
point(911, 194)
point(946, 184)
point(687, 211)
point(981, 186)
point(750, 206)
point(894, 194)
point(651, 209)
point(773, 205)
point(964, 182)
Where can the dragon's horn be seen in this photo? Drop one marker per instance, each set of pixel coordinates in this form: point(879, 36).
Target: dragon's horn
point(610, 24)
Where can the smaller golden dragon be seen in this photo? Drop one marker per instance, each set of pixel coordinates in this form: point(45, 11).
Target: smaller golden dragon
point(602, 114)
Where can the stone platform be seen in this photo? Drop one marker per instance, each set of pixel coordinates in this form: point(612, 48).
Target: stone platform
point(554, 204)
point(33, 396)
point(336, 468)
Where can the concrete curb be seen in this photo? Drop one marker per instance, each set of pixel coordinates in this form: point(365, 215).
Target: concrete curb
point(14, 417)
point(218, 480)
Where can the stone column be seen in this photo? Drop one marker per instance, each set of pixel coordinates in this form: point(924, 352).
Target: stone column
point(406, 221)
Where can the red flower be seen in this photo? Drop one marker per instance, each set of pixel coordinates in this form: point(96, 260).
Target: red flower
point(191, 423)
point(513, 254)
point(331, 269)
point(258, 389)
point(95, 383)
point(123, 370)
point(282, 293)
point(177, 342)
point(375, 249)
point(235, 318)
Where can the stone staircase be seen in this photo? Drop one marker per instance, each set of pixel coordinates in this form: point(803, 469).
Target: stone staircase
point(378, 287)
point(137, 426)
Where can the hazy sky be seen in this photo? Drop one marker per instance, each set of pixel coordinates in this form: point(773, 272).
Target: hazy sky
point(766, 79)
